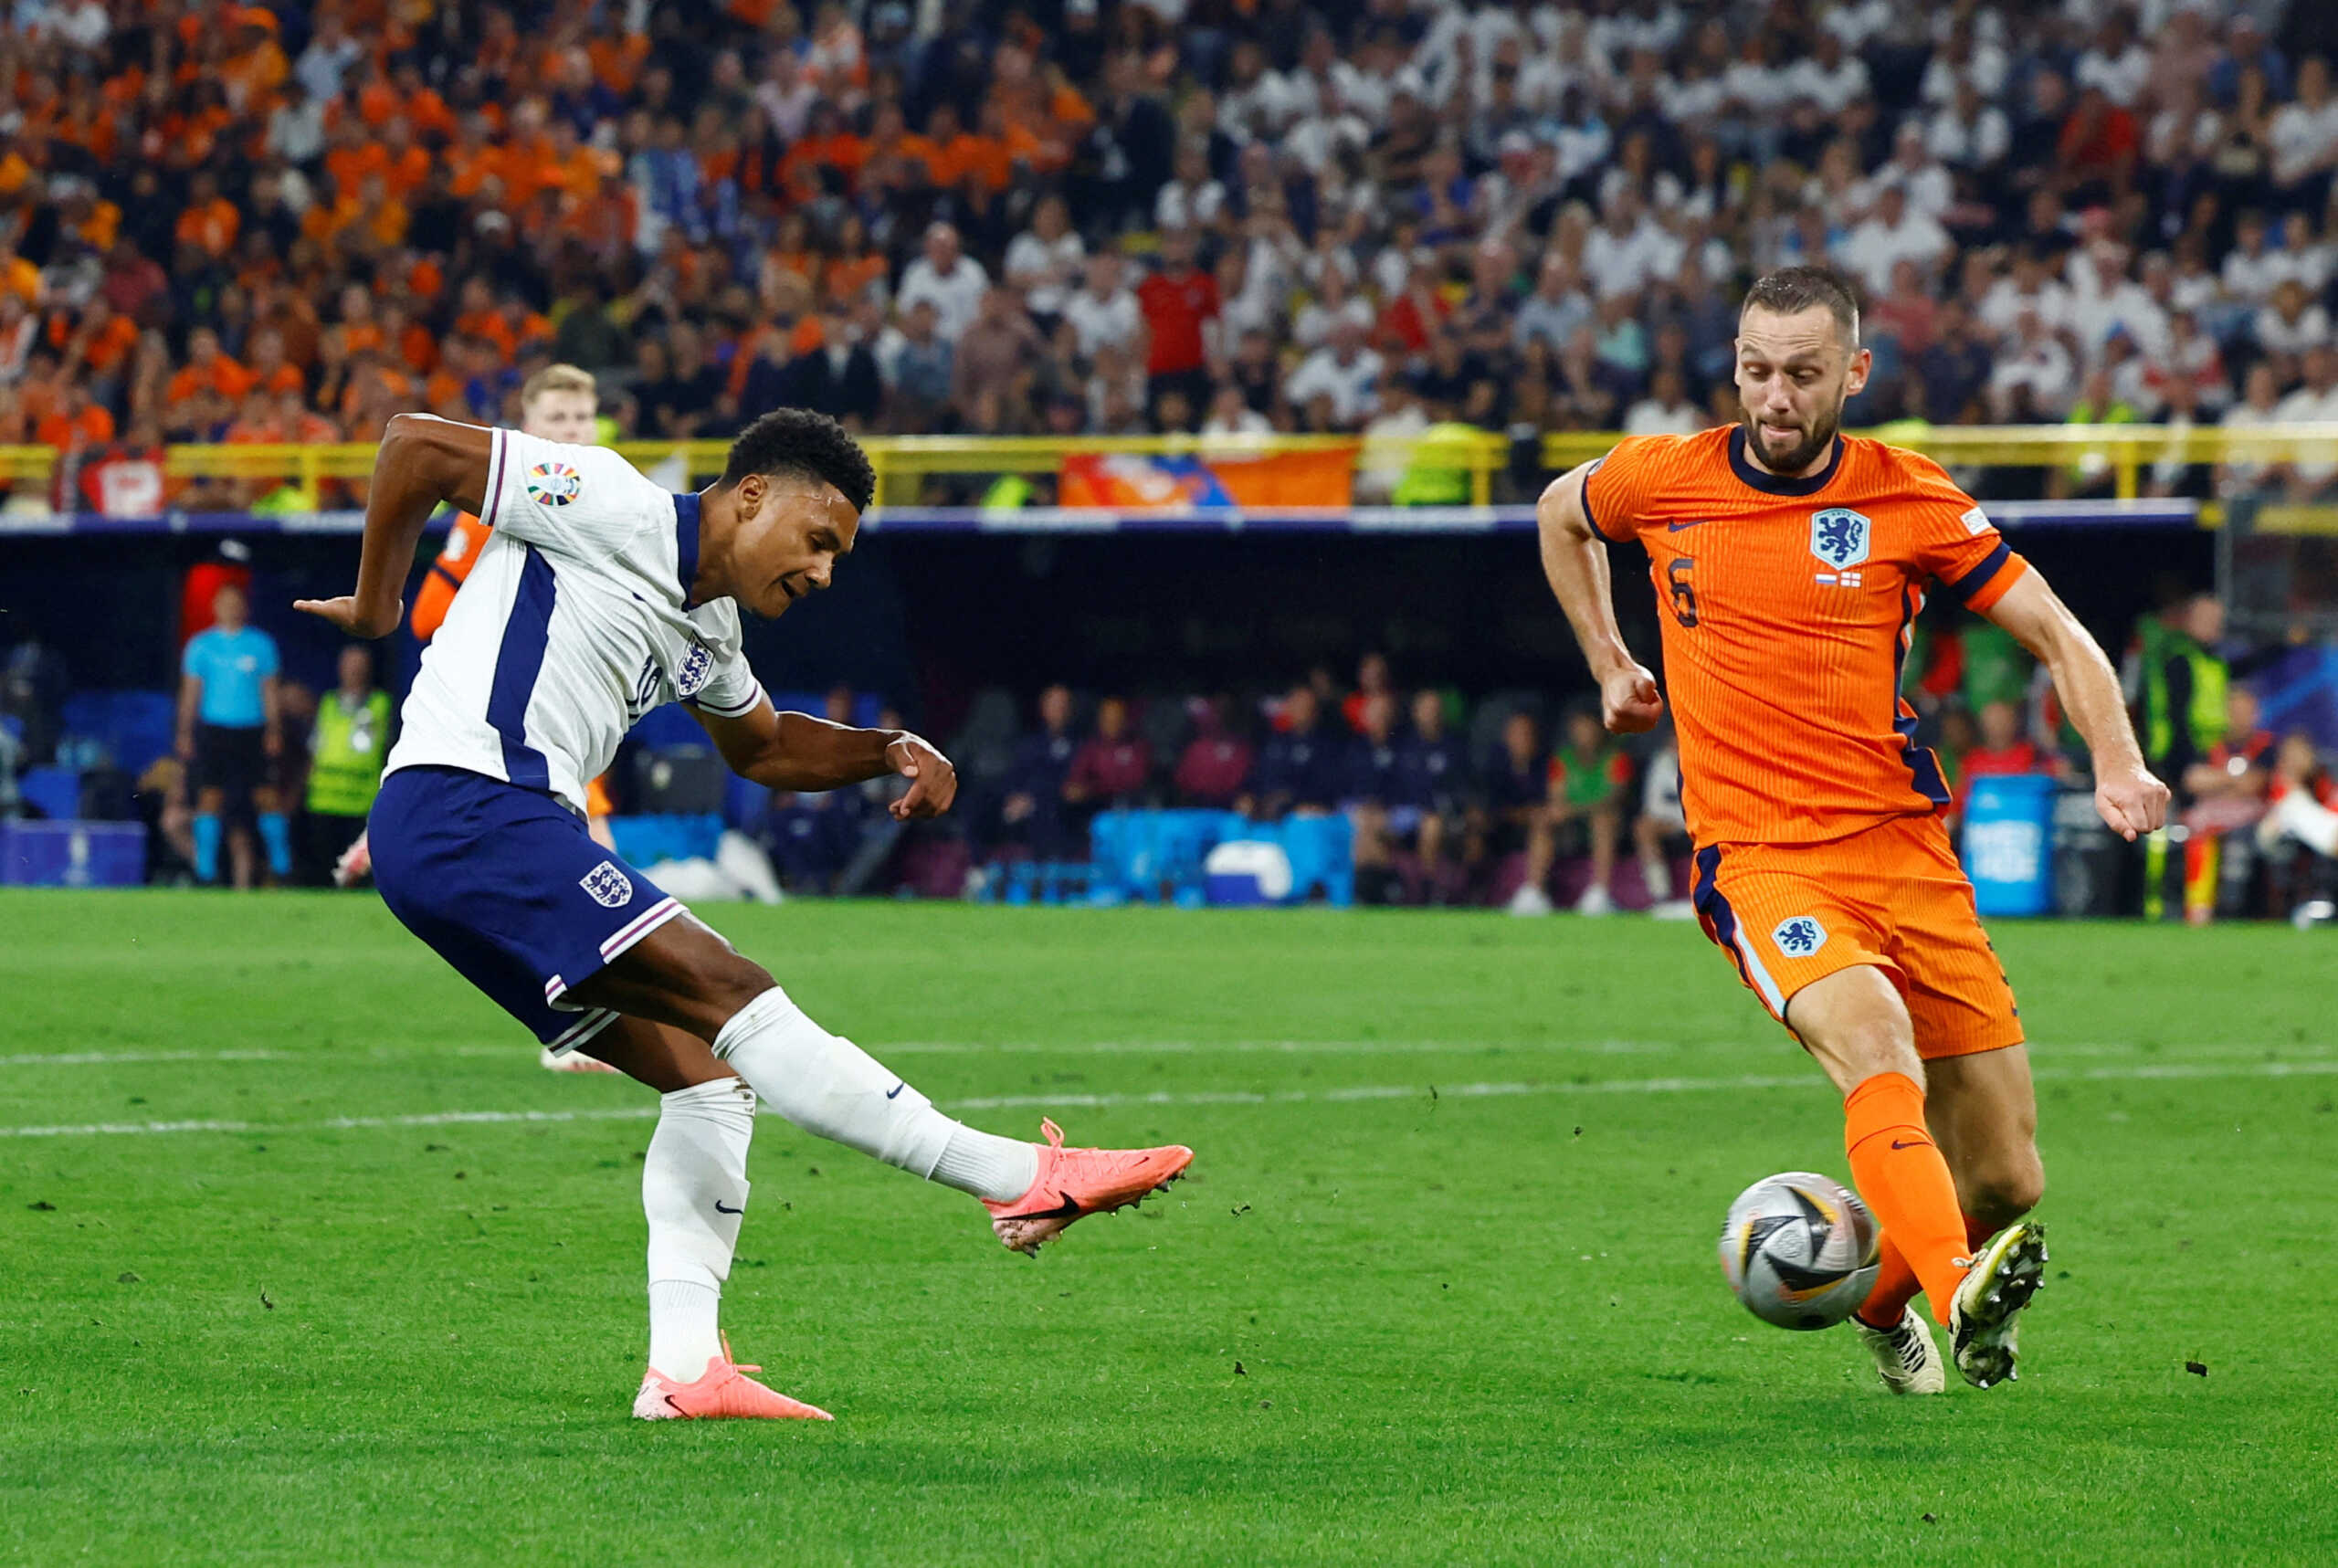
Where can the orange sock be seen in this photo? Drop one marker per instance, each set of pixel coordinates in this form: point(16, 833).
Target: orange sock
point(1895, 1286)
point(1898, 1171)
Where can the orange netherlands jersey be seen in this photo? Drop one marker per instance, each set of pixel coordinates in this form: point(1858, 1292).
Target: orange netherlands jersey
point(453, 564)
point(1787, 606)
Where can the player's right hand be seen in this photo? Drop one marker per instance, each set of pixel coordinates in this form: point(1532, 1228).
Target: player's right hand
point(1629, 702)
point(351, 616)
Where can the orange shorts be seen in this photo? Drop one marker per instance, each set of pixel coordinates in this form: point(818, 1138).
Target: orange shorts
point(1892, 895)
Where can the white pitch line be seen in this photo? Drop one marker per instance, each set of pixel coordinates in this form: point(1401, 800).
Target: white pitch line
point(1352, 1093)
point(132, 1058)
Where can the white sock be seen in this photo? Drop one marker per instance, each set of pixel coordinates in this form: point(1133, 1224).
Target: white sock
point(2312, 822)
point(1658, 877)
point(694, 1194)
point(827, 1085)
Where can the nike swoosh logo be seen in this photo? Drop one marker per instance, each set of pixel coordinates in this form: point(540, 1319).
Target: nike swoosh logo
point(1918, 1143)
point(1068, 1209)
point(894, 1092)
point(1677, 527)
point(720, 1208)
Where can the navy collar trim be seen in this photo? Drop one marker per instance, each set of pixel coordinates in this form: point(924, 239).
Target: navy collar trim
point(686, 511)
point(1775, 484)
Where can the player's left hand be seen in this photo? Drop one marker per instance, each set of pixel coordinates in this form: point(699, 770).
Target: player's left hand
point(933, 781)
point(2131, 803)
point(352, 618)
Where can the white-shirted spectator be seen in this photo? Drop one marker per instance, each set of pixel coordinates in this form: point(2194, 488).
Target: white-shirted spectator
point(1893, 233)
point(2303, 256)
point(2259, 404)
point(1963, 57)
point(1336, 302)
point(1627, 249)
point(1931, 188)
point(2250, 270)
point(2304, 132)
point(1666, 410)
point(1258, 102)
point(1969, 131)
point(954, 280)
point(1582, 141)
point(1191, 199)
point(1046, 260)
point(1857, 21)
point(1400, 419)
point(1229, 416)
point(1343, 368)
point(2293, 323)
point(2027, 289)
point(2116, 63)
point(1104, 312)
point(2183, 129)
point(2315, 403)
point(1829, 78)
point(2033, 359)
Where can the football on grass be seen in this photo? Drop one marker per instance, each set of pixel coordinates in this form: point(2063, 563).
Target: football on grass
point(1799, 1249)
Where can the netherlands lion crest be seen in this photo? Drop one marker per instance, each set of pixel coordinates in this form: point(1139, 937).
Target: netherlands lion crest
point(1799, 936)
point(1839, 536)
point(610, 888)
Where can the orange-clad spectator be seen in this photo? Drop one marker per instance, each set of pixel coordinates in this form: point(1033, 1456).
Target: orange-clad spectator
point(828, 144)
point(379, 101)
point(353, 155)
point(76, 423)
point(208, 370)
point(87, 123)
point(499, 46)
point(404, 163)
point(210, 220)
point(373, 386)
point(954, 146)
point(854, 265)
point(258, 68)
point(302, 423)
point(258, 423)
point(103, 340)
point(382, 215)
point(336, 208)
point(17, 276)
point(272, 372)
point(617, 54)
point(473, 159)
point(476, 306)
point(83, 216)
point(292, 315)
point(424, 108)
point(410, 341)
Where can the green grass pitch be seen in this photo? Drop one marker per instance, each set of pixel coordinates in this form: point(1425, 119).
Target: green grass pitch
point(1441, 1290)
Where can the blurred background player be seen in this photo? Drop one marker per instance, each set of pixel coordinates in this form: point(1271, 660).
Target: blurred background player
point(1660, 826)
point(1792, 560)
point(231, 734)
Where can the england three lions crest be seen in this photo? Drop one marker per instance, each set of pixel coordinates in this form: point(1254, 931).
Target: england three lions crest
point(610, 888)
point(1840, 536)
point(696, 666)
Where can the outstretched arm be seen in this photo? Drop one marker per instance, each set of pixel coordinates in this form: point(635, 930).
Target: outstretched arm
point(423, 462)
point(2129, 797)
point(1575, 561)
point(796, 751)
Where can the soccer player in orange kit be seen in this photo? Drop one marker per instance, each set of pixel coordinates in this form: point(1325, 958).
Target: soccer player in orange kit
point(1793, 561)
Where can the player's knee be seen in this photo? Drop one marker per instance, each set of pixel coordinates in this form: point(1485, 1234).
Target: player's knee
point(2008, 1189)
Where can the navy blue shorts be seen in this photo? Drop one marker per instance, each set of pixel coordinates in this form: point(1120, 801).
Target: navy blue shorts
point(505, 884)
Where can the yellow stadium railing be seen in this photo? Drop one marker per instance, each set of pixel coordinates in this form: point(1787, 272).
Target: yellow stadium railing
point(903, 460)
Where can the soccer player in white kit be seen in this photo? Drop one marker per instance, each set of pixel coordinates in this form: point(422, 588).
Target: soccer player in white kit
point(599, 596)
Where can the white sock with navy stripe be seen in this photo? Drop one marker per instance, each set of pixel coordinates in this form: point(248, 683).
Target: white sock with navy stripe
point(827, 1085)
point(694, 1193)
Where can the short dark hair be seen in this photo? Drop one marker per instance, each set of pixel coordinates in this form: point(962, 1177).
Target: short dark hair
point(801, 442)
point(1790, 291)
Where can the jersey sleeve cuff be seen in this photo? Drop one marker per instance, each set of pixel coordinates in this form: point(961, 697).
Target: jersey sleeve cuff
point(740, 711)
point(1987, 582)
point(492, 503)
point(1591, 513)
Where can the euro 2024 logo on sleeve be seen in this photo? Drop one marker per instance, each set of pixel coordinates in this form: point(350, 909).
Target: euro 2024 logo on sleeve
point(1839, 536)
point(1798, 936)
point(554, 483)
point(610, 888)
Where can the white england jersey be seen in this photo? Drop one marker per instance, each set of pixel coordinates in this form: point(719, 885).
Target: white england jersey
point(573, 623)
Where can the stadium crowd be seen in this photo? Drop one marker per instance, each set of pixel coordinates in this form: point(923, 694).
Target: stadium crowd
point(224, 222)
